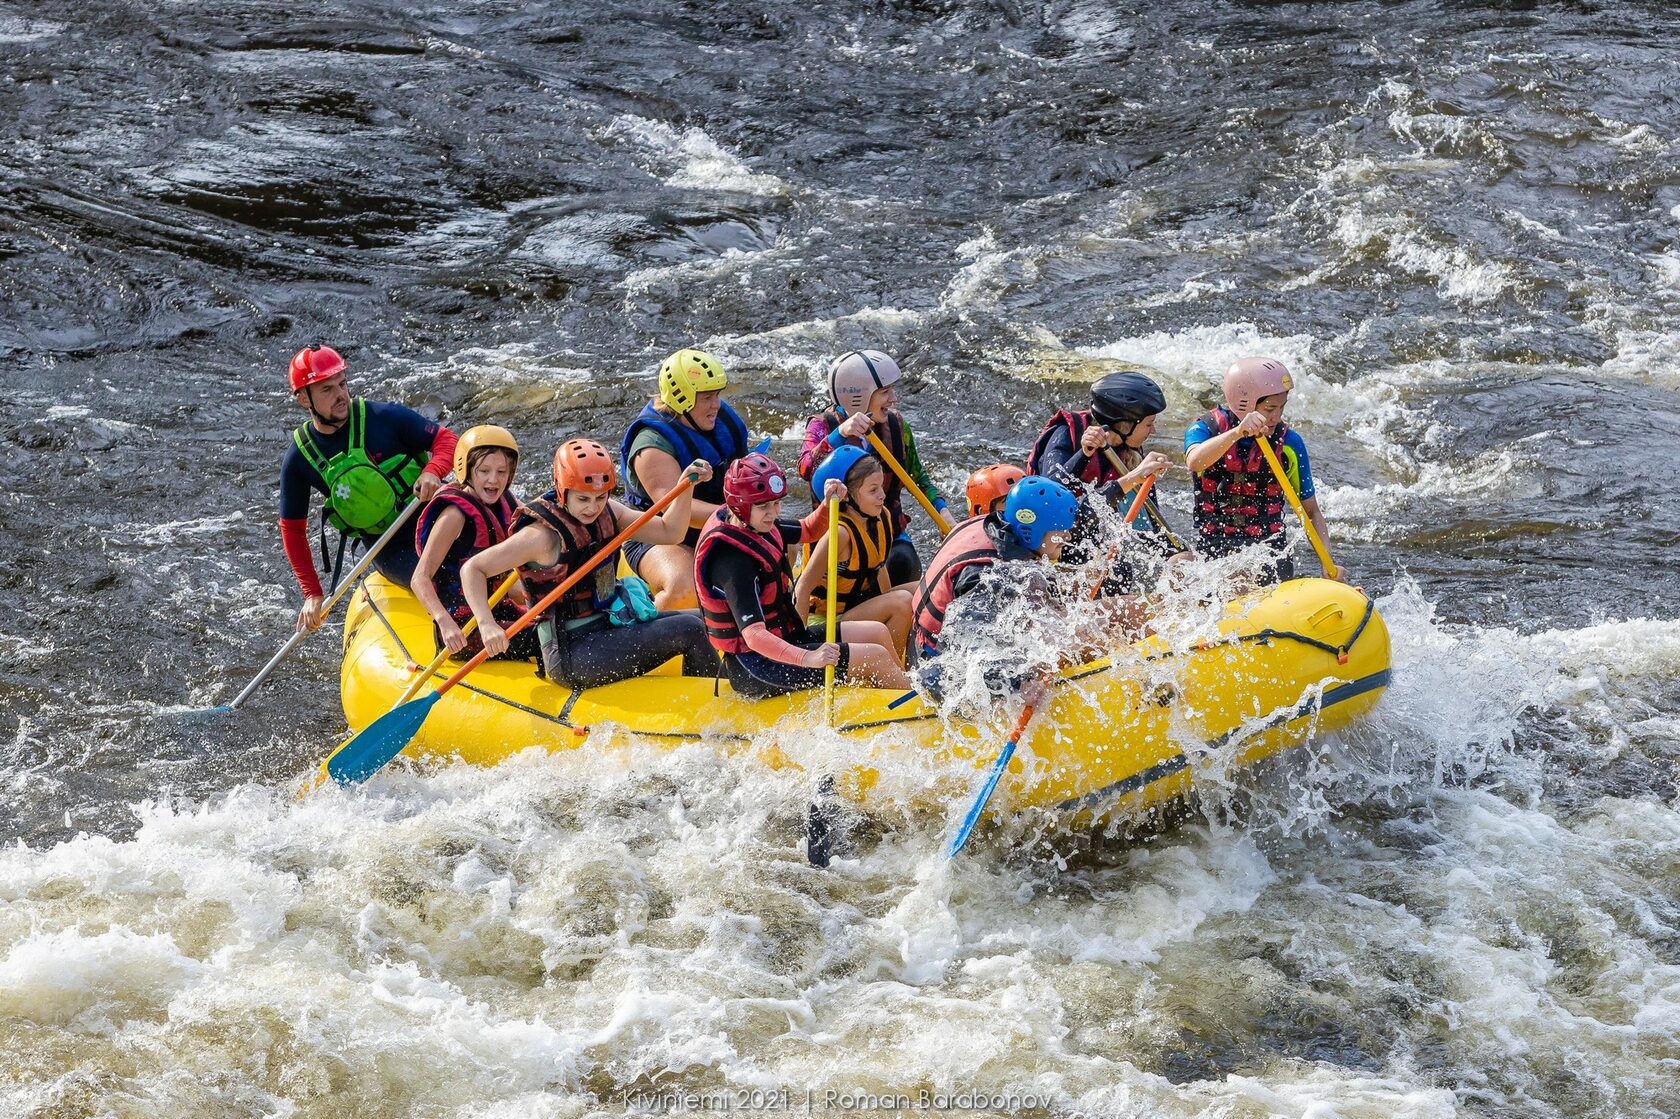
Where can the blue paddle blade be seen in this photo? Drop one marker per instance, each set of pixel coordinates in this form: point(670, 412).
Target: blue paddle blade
point(979, 805)
point(763, 447)
point(893, 705)
point(379, 742)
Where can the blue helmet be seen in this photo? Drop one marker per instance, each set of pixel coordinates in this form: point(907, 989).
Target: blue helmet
point(1037, 507)
point(837, 465)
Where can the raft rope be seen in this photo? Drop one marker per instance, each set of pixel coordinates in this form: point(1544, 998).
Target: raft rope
point(565, 711)
point(1162, 696)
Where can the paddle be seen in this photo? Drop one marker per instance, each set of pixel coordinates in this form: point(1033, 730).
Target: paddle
point(384, 738)
point(819, 818)
point(897, 468)
point(1002, 762)
point(833, 598)
point(339, 592)
point(443, 654)
point(1154, 512)
point(1330, 569)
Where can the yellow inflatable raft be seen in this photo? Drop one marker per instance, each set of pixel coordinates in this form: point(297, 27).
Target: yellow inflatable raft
point(1120, 734)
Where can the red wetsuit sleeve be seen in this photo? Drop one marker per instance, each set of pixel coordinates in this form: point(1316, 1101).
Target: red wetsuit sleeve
point(766, 644)
point(294, 537)
point(811, 529)
point(443, 454)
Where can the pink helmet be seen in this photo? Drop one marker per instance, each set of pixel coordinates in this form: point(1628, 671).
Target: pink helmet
point(752, 480)
point(1251, 378)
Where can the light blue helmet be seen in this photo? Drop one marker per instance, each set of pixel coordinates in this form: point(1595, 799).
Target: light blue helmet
point(1037, 507)
point(837, 465)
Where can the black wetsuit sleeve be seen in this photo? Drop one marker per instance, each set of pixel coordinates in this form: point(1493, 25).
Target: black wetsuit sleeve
point(297, 478)
point(736, 579)
point(404, 428)
point(1062, 460)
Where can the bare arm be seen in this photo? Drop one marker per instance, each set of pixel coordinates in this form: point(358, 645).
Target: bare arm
point(814, 571)
point(445, 530)
point(659, 472)
point(671, 527)
point(531, 544)
point(1210, 451)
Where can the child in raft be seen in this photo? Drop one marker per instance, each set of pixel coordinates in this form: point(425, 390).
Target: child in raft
point(864, 592)
point(861, 386)
point(462, 519)
point(600, 631)
point(1238, 502)
point(744, 579)
point(988, 488)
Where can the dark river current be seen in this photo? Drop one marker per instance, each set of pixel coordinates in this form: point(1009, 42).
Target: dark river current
point(1456, 222)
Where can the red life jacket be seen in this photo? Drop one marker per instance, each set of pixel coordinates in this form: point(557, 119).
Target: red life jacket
point(775, 588)
point(1097, 469)
point(1238, 498)
point(486, 525)
point(969, 544)
point(893, 437)
point(579, 543)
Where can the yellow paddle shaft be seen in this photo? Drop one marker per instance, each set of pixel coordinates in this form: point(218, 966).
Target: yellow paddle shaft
point(1295, 503)
point(443, 654)
point(833, 602)
point(897, 467)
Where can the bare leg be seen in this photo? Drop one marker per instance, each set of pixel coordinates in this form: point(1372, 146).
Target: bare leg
point(669, 572)
point(873, 662)
point(891, 610)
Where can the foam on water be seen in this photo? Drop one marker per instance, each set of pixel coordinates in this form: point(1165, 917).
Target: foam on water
point(690, 158)
point(609, 920)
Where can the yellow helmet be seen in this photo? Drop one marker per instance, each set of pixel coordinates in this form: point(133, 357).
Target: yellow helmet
point(475, 438)
point(685, 375)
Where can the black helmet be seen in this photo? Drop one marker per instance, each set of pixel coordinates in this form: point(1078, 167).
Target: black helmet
point(1119, 397)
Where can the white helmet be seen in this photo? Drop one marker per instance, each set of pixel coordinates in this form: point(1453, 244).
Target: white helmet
point(854, 377)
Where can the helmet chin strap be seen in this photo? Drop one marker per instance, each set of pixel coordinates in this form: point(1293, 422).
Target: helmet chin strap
point(321, 421)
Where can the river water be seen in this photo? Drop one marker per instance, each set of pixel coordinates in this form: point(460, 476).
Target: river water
point(1457, 222)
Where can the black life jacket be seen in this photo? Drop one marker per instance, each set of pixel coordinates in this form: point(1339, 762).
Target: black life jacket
point(1237, 498)
point(579, 543)
point(893, 438)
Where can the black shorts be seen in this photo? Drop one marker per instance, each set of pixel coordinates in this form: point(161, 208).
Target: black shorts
point(756, 676)
point(634, 550)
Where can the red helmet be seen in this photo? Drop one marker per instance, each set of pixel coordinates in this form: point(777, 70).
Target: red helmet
point(583, 465)
point(990, 485)
point(312, 365)
point(752, 480)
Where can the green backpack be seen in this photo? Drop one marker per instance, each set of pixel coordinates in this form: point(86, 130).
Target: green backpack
point(363, 497)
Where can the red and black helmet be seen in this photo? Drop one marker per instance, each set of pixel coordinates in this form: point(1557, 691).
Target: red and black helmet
point(313, 365)
point(752, 480)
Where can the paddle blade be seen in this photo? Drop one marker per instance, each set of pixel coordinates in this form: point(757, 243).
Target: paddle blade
point(379, 741)
point(979, 806)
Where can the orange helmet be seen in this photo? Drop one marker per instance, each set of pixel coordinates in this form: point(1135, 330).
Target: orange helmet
point(990, 485)
point(585, 465)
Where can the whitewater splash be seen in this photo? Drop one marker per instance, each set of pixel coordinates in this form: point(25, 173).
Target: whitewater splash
point(630, 920)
